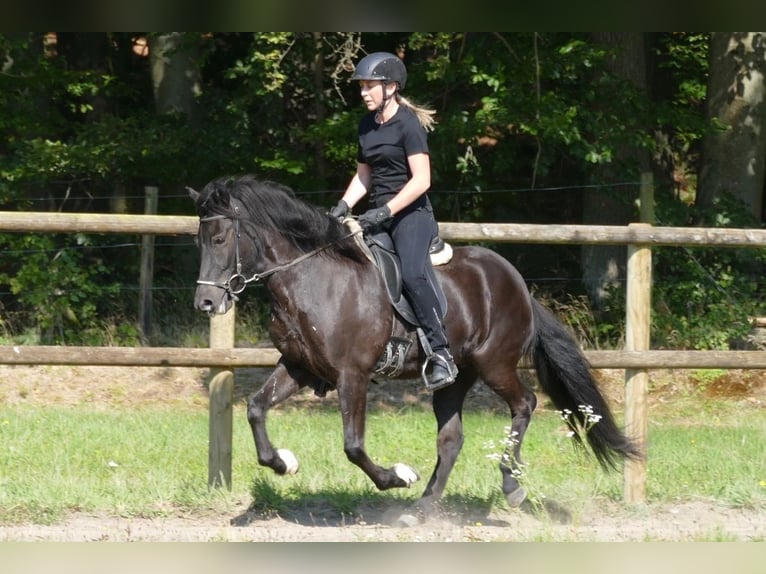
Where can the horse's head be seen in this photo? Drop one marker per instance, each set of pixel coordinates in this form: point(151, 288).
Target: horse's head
point(220, 274)
point(250, 229)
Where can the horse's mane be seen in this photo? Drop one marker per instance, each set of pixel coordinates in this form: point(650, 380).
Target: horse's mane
point(273, 207)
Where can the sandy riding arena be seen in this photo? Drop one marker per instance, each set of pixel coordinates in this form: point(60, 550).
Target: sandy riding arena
point(598, 521)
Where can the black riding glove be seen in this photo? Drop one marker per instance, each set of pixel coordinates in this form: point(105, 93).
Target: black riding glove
point(339, 211)
point(374, 217)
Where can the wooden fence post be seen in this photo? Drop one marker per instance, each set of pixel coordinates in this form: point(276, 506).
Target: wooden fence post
point(637, 332)
point(638, 338)
point(221, 391)
point(146, 277)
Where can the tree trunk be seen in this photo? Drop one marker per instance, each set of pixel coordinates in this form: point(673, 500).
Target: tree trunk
point(319, 106)
point(604, 265)
point(175, 72)
point(733, 158)
point(668, 168)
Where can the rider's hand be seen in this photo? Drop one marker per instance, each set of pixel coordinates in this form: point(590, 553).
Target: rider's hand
point(339, 211)
point(374, 217)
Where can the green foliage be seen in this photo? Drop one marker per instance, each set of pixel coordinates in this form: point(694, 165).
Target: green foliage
point(704, 298)
point(528, 103)
point(514, 111)
point(64, 290)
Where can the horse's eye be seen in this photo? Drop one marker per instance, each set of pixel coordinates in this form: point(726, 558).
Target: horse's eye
point(219, 239)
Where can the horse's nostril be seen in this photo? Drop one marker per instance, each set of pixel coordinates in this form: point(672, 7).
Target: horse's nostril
point(205, 305)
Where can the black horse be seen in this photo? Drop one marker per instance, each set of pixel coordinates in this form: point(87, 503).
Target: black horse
point(332, 319)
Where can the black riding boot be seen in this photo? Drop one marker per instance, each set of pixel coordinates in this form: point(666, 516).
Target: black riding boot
point(443, 370)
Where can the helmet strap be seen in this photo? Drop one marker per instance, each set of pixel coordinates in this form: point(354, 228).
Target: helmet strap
point(386, 99)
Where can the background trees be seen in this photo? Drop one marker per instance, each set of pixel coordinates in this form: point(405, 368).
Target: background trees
point(735, 148)
point(533, 127)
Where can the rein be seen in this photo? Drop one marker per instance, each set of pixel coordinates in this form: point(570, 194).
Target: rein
point(237, 282)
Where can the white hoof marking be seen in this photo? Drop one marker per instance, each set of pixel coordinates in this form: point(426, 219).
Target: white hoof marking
point(289, 459)
point(405, 473)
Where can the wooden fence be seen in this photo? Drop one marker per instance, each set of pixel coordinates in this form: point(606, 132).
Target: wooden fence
point(221, 357)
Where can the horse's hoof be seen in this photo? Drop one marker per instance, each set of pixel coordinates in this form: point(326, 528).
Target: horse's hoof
point(291, 462)
point(404, 472)
point(516, 497)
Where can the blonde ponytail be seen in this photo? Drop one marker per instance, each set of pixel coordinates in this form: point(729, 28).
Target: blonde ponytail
point(425, 116)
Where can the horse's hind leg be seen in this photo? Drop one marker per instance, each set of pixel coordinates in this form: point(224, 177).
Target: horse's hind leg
point(522, 403)
point(448, 409)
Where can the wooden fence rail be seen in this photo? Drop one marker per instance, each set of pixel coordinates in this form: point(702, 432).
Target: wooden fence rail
point(229, 358)
point(222, 358)
point(454, 231)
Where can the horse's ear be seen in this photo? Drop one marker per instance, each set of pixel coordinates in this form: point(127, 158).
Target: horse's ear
point(220, 196)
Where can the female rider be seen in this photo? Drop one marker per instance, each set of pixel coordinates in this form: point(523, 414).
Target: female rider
point(393, 165)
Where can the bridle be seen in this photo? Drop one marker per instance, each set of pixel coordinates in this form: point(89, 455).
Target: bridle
point(237, 282)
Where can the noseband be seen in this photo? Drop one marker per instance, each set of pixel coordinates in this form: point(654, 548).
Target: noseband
point(237, 282)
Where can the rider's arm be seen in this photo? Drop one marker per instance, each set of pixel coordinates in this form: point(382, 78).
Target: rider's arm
point(359, 184)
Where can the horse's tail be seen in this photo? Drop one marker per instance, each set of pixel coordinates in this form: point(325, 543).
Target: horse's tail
point(566, 377)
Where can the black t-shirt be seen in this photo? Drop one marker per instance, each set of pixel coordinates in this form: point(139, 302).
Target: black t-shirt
point(386, 147)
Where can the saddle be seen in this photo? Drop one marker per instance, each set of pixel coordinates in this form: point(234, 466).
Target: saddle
point(381, 248)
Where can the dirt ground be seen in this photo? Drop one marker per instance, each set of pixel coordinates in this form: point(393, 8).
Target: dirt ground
point(684, 522)
point(107, 387)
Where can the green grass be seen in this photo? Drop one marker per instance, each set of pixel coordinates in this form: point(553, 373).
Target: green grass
point(127, 463)
point(153, 462)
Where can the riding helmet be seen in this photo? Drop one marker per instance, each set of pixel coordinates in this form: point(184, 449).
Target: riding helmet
point(381, 66)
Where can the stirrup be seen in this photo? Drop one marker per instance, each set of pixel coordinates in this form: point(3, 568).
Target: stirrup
point(447, 365)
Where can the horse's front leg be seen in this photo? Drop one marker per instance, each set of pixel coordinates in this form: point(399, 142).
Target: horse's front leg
point(353, 405)
point(281, 385)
